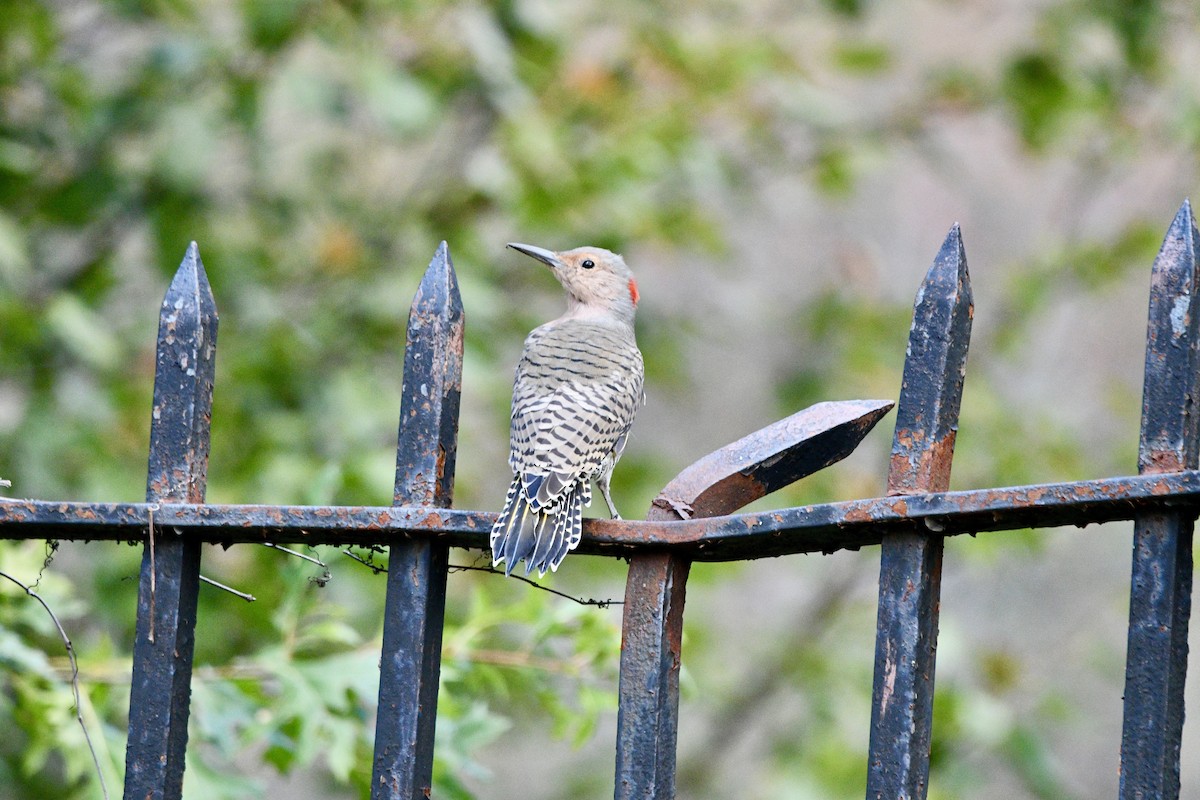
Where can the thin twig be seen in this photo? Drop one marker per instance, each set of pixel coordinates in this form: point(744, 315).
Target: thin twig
point(249, 598)
point(291, 552)
point(520, 660)
point(582, 601)
point(74, 677)
point(475, 568)
point(117, 674)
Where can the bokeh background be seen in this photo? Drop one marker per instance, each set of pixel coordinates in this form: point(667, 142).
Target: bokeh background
point(779, 175)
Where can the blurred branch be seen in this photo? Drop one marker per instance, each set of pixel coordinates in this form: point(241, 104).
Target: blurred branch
point(742, 709)
point(116, 671)
point(520, 660)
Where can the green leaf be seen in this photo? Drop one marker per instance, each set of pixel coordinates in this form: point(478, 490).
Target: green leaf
point(83, 332)
point(862, 58)
point(1039, 94)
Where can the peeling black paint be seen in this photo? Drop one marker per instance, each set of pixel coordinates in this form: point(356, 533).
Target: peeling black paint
point(910, 571)
point(416, 588)
point(1160, 595)
point(160, 693)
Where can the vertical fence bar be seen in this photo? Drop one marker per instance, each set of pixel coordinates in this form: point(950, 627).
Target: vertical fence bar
point(1160, 596)
point(160, 693)
point(718, 484)
point(416, 586)
point(910, 571)
point(651, 653)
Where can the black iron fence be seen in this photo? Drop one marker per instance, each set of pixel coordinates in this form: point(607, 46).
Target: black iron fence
point(693, 519)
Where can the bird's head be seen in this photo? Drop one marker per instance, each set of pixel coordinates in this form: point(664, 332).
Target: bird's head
point(596, 280)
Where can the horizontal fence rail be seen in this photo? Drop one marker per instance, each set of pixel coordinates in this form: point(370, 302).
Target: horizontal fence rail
point(693, 519)
point(824, 528)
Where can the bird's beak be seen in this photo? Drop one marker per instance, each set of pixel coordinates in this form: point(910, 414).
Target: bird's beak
point(547, 257)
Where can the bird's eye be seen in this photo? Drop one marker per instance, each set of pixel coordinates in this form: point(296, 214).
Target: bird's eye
point(588, 263)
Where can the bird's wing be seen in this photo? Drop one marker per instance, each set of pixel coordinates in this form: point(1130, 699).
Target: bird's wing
point(560, 437)
point(569, 411)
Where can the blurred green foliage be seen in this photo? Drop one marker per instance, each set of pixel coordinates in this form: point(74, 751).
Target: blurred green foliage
point(318, 152)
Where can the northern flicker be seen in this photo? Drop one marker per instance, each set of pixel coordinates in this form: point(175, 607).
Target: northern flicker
point(577, 387)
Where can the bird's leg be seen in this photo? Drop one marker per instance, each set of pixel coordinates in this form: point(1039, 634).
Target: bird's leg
point(602, 483)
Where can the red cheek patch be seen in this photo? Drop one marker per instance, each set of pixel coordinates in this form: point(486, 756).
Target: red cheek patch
point(633, 291)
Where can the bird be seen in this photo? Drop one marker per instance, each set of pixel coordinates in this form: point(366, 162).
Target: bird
point(577, 388)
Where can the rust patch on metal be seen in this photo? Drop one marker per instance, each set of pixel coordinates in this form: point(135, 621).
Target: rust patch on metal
point(1163, 461)
point(732, 493)
point(923, 471)
point(857, 514)
point(440, 464)
point(768, 459)
point(670, 505)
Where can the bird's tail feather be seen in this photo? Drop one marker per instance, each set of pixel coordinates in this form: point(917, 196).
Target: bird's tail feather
point(518, 532)
point(547, 540)
point(515, 524)
point(569, 529)
point(542, 539)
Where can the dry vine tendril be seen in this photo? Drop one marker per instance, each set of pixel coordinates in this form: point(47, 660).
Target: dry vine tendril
point(29, 590)
point(370, 563)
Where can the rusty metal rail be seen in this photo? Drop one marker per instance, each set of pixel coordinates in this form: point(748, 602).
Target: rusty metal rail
point(693, 519)
point(824, 528)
